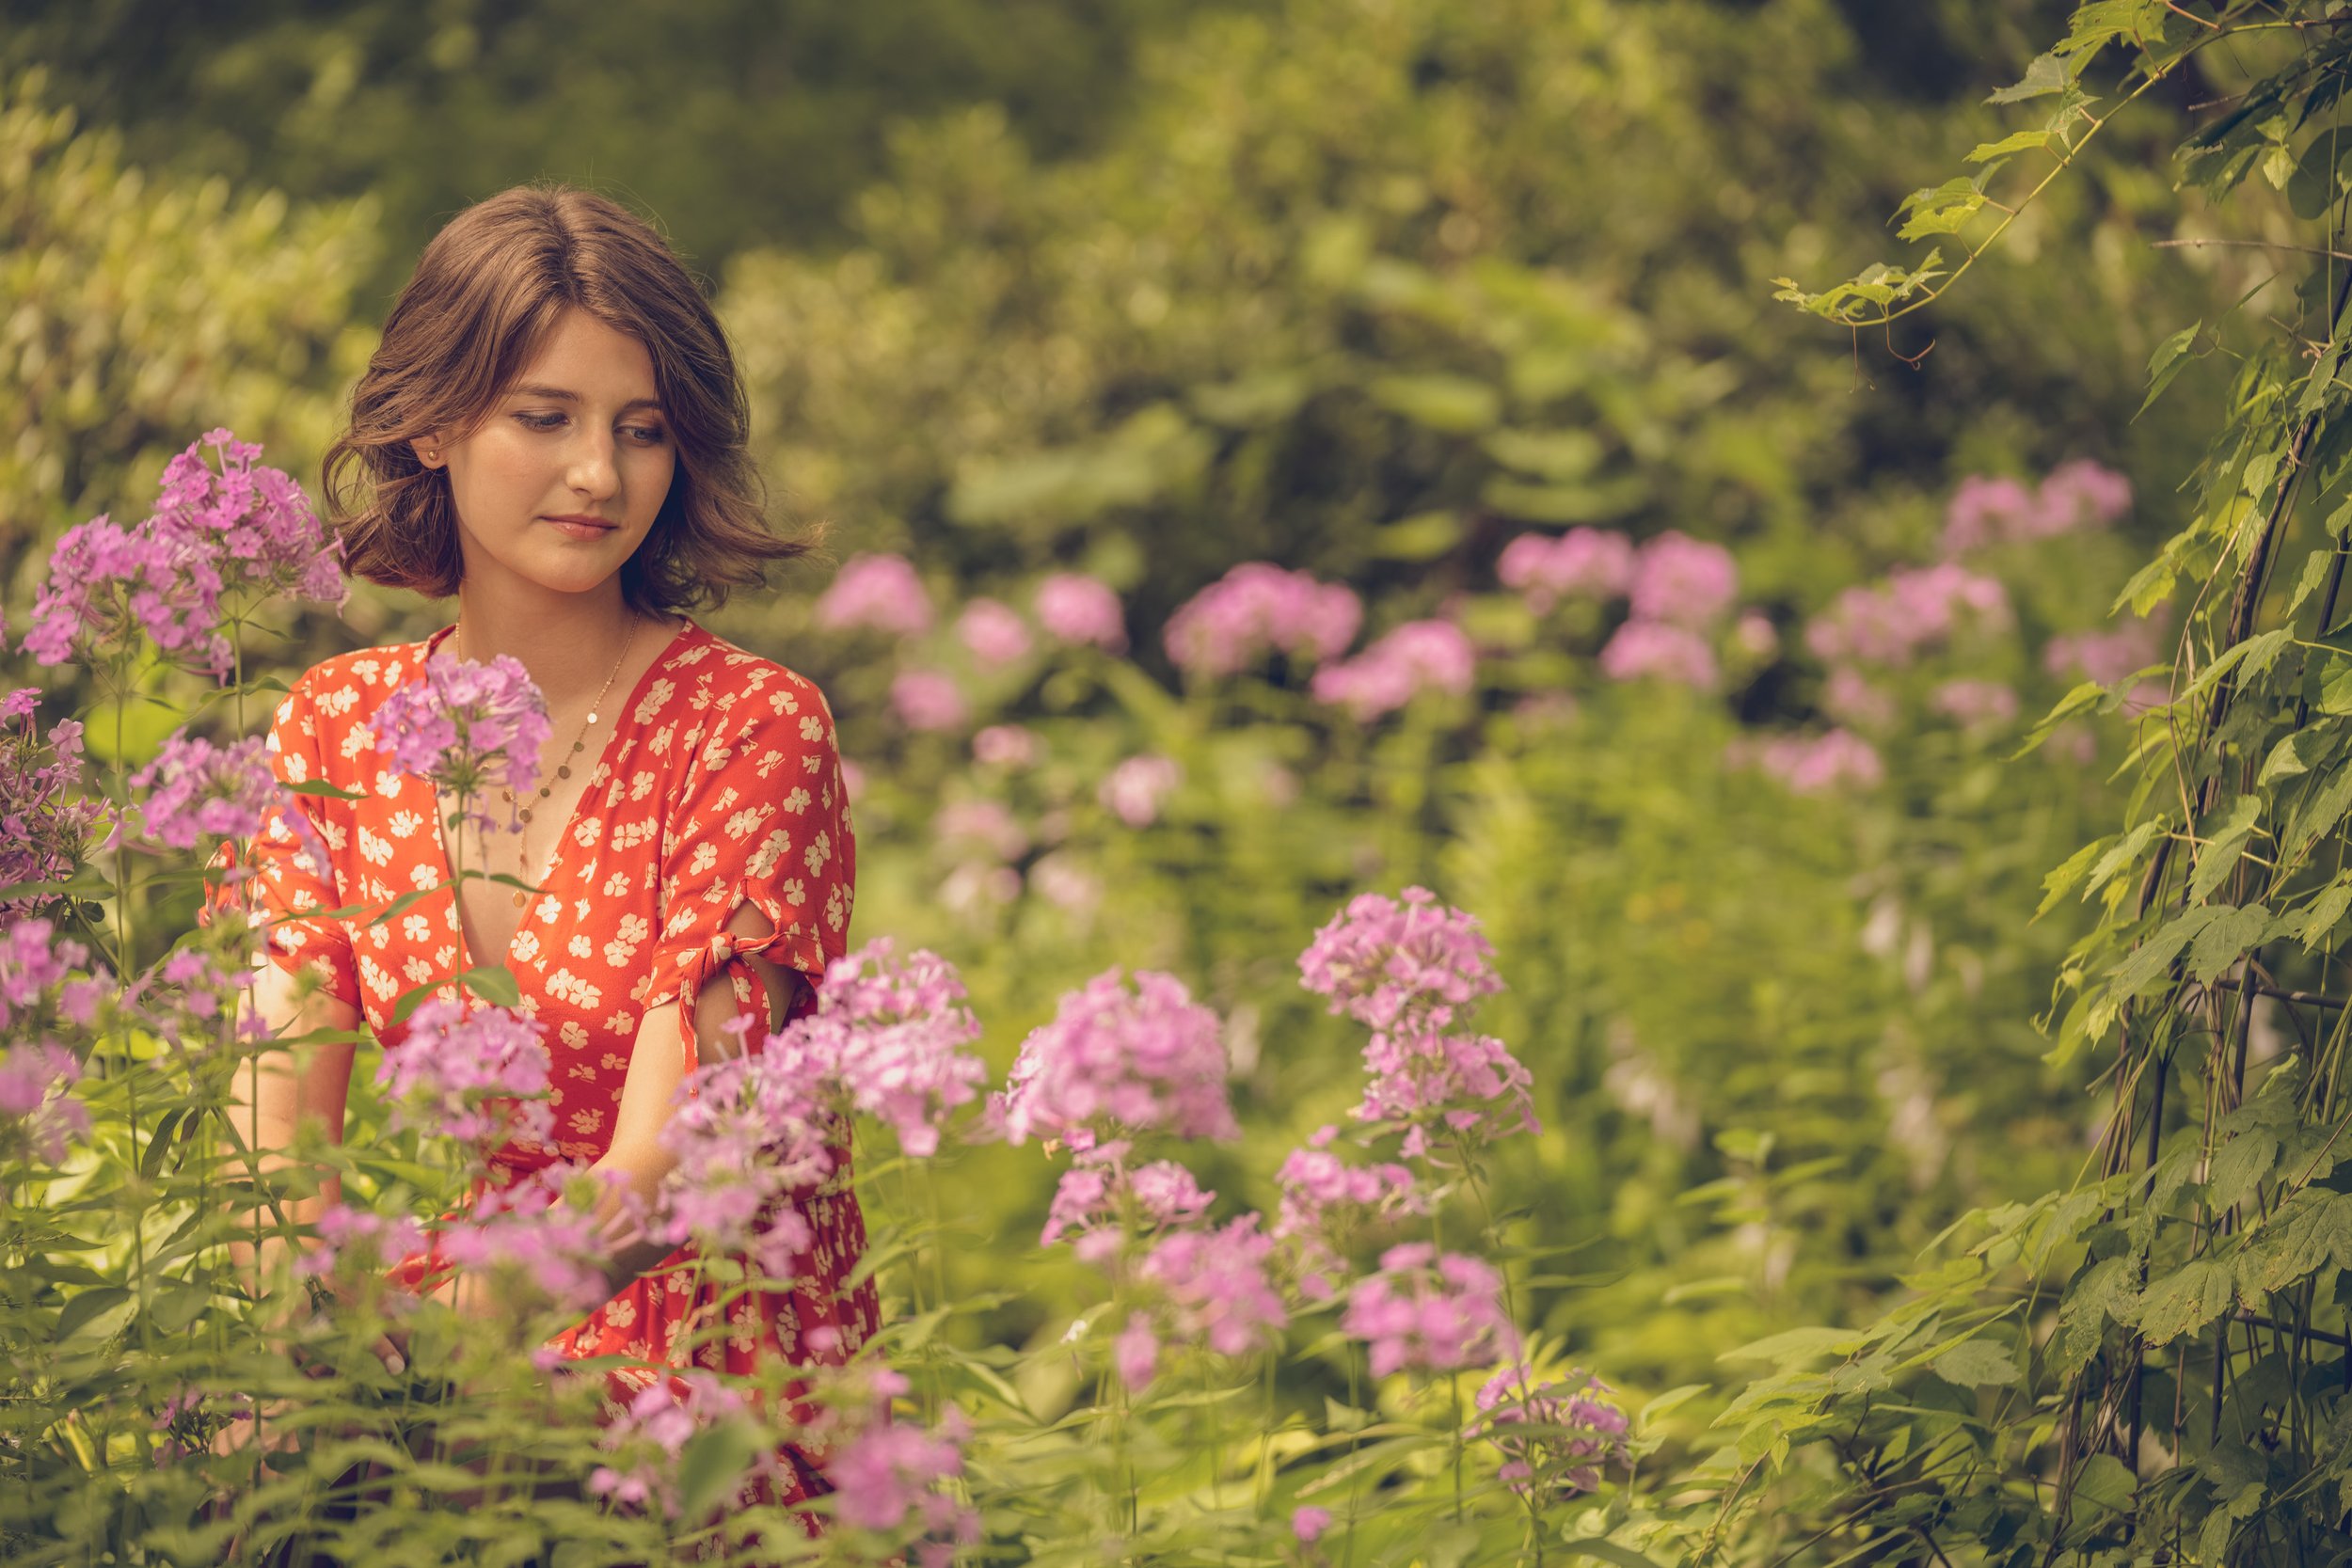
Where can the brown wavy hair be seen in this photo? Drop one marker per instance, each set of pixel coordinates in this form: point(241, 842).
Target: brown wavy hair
point(487, 296)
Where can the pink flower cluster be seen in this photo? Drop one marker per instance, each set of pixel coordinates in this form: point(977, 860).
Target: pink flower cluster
point(888, 1036)
point(1554, 1436)
point(1412, 972)
point(359, 1240)
point(890, 1478)
point(1100, 1197)
point(1915, 608)
point(2103, 656)
point(650, 1437)
point(927, 700)
point(1115, 1061)
point(193, 789)
point(1583, 562)
point(1809, 765)
point(1213, 1288)
point(749, 1133)
point(35, 1078)
point(1134, 790)
point(539, 1232)
point(1079, 610)
point(1007, 746)
point(480, 1078)
point(241, 527)
point(1419, 655)
point(2076, 493)
point(1974, 702)
point(1658, 650)
point(1428, 1313)
point(881, 592)
point(1324, 1200)
point(1682, 582)
point(1256, 607)
point(993, 632)
point(467, 725)
point(44, 817)
point(1389, 964)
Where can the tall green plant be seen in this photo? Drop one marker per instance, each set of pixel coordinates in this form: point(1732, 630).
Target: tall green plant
point(2150, 1365)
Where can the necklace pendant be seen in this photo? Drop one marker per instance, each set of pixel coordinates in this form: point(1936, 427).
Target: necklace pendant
point(520, 899)
point(564, 771)
point(524, 814)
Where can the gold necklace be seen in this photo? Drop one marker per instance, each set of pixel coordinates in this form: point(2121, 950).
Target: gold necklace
point(563, 770)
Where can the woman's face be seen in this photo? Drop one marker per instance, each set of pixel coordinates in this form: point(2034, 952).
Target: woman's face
point(579, 435)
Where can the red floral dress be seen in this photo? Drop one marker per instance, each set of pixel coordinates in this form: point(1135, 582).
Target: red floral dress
point(718, 785)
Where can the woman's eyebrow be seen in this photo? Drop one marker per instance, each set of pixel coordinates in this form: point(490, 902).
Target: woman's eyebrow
point(562, 396)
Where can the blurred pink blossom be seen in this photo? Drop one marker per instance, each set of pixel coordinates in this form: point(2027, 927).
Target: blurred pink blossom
point(1976, 702)
point(927, 700)
point(983, 824)
point(194, 789)
point(2104, 657)
point(1215, 1289)
point(1642, 650)
point(1428, 1313)
point(1555, 1434)
point(878, 590)
point(993, 632)
point(1914, 608)
point(1079, 610)
point(1811, 765)
point(1113, 1061)
point(1309, 1522)
point(1258, 606)
point(1852, 698)
point(2079, 493)
point(1136, 789)
point(1587, 563)
point(1683, 580)
point(1419, 655)
point(1006, 746)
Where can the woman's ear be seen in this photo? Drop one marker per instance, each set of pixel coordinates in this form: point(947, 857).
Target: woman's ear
point(428, 450)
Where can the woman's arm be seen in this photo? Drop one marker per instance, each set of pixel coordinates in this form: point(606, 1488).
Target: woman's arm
point(656, 1069)
point(277, 1090)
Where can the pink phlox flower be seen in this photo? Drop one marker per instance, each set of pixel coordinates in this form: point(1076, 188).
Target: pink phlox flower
point(193, 789)
point(889, 1036)
point(1812, 765)
point(32, 960)
point(1912, 609)
point(1555, 1433)
point(467, 724)
point(1137, 788)
point(927, 700)
point(1324, 1200)
point(751, 1134)
point(1419, 655)
point(36, 1078)
point(361, 1238)
point(2104, 657)
point(480, 1078)
point(1658, 650)
point(993, 632)
point(1076, 608)
point(1681, 580)
point(1408, 962)
point(1442, 1319)
point(1974, 703)
point(2079, 493)
point(1850, 697)
point(46, 815)
point(1113, 1061)
point(1214, 1286)
point(982, 824)
point(1098, 1196)
point(535, 1229)
point(890, 1478)
point(1006, 746)
point(649, 1437)
point(1258, 607)
point(1469, 1082)
point(241, 527)
point(1136, 1352)
point(881, 592)
point(1583, 562)
point(1307, 1524)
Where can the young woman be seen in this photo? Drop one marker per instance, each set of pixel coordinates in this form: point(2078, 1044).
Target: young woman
point(553, 433)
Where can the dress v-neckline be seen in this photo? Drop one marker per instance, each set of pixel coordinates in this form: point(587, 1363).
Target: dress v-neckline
point(546, 878)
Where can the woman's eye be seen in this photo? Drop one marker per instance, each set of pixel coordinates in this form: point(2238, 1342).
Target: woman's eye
point(541, 421)
point(651, 436)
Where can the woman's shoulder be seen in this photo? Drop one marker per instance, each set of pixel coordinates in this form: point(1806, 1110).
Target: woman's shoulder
point(736, 681)
point(345, 687)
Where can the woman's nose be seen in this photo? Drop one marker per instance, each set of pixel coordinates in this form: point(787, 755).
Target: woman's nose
point(593, 471)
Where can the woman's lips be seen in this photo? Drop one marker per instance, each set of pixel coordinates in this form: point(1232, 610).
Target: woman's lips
point(579, 529)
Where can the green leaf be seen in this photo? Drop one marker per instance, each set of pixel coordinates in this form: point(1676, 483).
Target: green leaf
point(1608, 1551)
point(2101, 1291)
point(1943, 209)
point(2219, 856)
point(2048, 75)
point(2104, 1483)
point(2009, 146)
point(96, 1312)
point(1977, 1364)
point(2061, 880)
point(712, 1461)
point(2075, 701)
point(2185, 1300)
point(1453, 405)
point(2170, 359)
point(2225, 938)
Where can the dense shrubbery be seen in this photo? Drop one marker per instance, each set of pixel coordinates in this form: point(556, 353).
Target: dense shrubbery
point(1255, 518)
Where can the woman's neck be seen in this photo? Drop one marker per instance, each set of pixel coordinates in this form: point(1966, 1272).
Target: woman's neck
point(567, 647)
